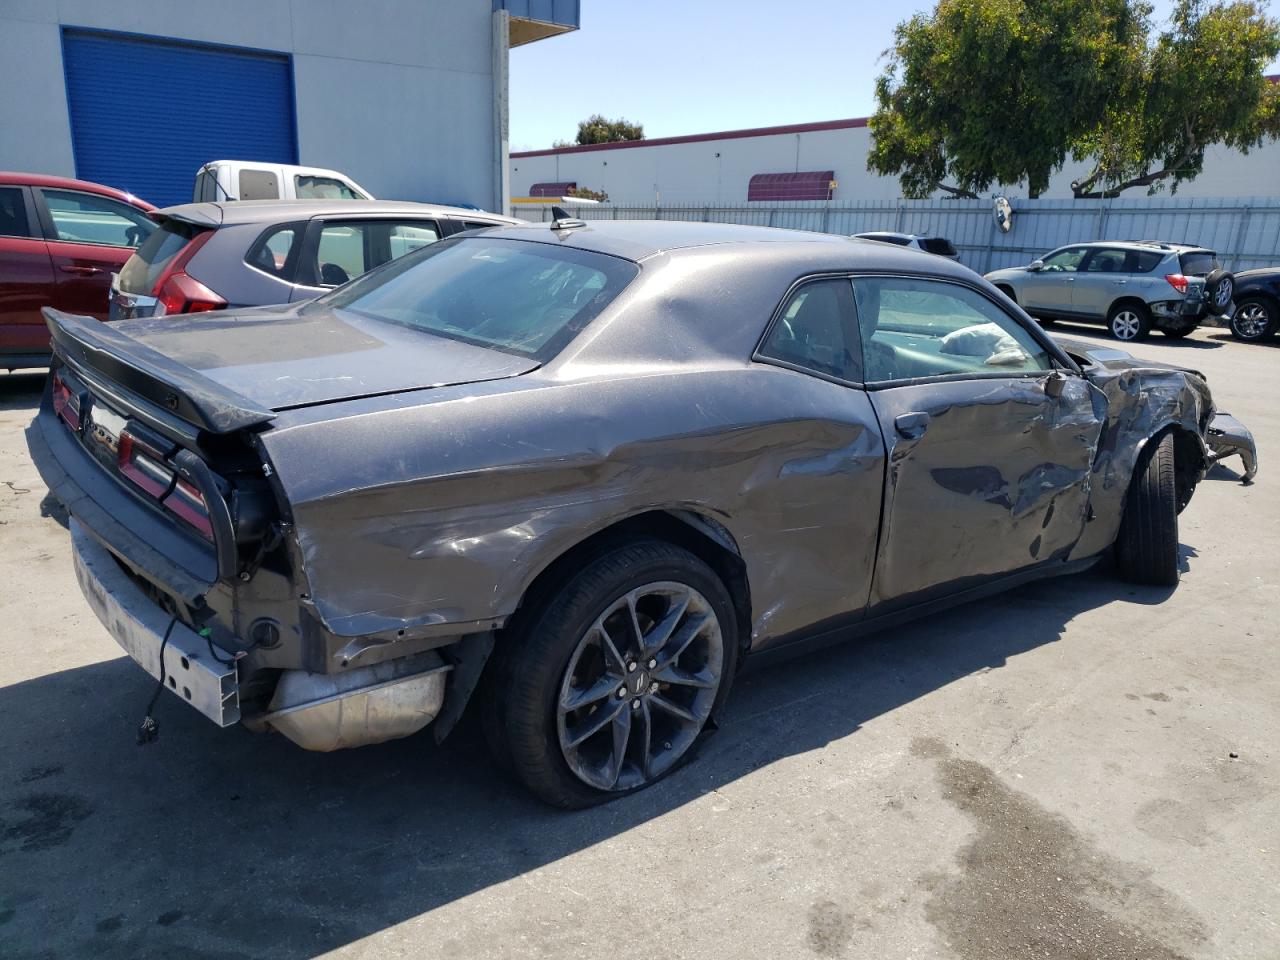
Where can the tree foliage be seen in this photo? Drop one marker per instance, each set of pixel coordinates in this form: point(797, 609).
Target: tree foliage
point(983, 92)
point(599, 129)
point(586, 193)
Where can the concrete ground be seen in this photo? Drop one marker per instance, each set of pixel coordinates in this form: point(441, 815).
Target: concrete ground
point(1078, 769)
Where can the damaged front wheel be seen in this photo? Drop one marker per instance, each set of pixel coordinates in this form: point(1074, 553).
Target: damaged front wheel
point(608, 689)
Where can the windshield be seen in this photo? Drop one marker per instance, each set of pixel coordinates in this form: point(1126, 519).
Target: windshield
point(525, 298)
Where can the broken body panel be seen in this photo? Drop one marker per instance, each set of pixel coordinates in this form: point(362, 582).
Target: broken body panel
point(420, 486)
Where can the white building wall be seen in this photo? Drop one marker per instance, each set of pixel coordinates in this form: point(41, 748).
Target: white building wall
point(716, 171)
point(396, 93)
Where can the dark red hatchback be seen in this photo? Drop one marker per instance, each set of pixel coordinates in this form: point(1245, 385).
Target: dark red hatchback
point(60, 241)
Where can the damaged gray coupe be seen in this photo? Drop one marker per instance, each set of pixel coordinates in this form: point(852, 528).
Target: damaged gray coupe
point(581, 474)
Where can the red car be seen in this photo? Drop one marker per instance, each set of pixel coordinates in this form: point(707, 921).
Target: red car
point(60, 241)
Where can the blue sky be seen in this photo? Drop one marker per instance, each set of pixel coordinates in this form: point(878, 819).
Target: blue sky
point(693, 66)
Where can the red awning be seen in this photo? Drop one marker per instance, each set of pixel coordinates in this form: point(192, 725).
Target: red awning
point(812, 185)
point(552, 189)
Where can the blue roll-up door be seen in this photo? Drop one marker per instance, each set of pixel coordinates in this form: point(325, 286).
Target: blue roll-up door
point(147, 113)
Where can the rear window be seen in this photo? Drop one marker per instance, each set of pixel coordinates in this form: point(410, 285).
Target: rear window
point(938, 245)
point(259, 185)
point(1199, 263)
point(529, 299)
point(143, 269)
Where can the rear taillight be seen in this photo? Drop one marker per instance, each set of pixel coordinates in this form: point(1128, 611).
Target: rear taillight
point(143, 464)
point(178, 291)
point(187, 503)
point(182, 293)
point(66, 402)
point(1177, 281)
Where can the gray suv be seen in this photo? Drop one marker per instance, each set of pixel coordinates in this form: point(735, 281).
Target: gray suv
point(1131, 286)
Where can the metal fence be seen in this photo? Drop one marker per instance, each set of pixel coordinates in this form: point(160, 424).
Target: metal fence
point(1245, 231)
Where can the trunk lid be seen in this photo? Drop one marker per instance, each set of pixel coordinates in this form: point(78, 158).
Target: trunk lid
point(229, 370)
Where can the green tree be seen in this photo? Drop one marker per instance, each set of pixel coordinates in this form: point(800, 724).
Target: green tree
point(1199, 83)
point(998, 91)
point(599, 129)
point(586, 193)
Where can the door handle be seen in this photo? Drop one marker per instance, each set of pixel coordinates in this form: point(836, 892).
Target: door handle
point(911, 426)
point(1119, 283)
point(79, 269)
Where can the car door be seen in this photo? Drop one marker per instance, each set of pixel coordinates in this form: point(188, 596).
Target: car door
point(1049, 289)
point(26, 276)
point(1102, 278)
point(339, 249)
point(90, 237)
point(990, 436)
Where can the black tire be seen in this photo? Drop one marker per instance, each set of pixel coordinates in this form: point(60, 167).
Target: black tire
point(1220, 288)
point(1129, 320)
point(1147, 544)
point(522, 697)
point(1180, 334)
point(1254, 320)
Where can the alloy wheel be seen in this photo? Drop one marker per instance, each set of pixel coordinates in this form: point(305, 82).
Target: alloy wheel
point(639, 686)
point(1222, 295)
point(1251, 321)
point(1126, 325)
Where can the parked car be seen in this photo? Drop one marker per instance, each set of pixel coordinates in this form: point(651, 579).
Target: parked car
point(1133, 287)
point(939, 245)
point(60, 241)
point(207, 256)
point(247, 180)
point(1256, 315)
point(591, 468)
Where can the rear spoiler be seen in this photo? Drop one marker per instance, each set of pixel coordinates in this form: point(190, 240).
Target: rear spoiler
point(89, 344)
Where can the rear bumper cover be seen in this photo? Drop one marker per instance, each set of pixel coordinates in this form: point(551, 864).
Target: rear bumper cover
point(1226, 437)
point(140, 626)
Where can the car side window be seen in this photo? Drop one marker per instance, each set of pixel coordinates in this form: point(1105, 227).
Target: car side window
point(1064, 261)
point(1144, 261)
point(13, 213)
point(89, 218)
point(259, 185)
point(307, 187)
point(912, 328)
point(817, 331)
point(275, 252)
point(1106, 261)
point(350, 248)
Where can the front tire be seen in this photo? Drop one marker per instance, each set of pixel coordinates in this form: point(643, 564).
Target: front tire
point(607, 689)
point(1147, 544)
point(1255, 320)
point(1129, 321)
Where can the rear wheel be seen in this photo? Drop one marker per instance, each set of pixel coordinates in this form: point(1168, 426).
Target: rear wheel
point(608, 688)
point(1147, 544)
point(1255, 319)
point(1129, 321)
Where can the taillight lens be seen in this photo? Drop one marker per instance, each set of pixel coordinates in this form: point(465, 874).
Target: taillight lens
point(143, 464)
point(178, 291)
point(182, 293)
point(66, 402)
point(187, 503)
point(1177, 281)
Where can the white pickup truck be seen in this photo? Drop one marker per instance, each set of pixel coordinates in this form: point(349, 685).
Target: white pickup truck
point(245, 180)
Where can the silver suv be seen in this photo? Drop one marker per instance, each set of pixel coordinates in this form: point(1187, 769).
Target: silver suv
point(1130, 286)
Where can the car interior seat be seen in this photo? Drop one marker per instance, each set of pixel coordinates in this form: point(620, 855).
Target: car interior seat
point(333, 275)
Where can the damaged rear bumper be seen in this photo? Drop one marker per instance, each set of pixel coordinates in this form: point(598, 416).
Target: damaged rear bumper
point(371, 704)
point(1226, 437)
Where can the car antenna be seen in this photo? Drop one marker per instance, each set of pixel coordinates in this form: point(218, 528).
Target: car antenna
point(560, 220)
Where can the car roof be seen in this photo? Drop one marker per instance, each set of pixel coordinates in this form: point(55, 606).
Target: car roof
point(641, 239)
point(10, 178)
point(1167, 246)
point(228, 213)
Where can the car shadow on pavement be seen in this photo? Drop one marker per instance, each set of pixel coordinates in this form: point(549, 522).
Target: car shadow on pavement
point(222, 843)
point(21, 390)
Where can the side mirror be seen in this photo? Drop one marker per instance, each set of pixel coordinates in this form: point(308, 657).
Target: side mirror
point(1035, 266)
point(1055, 384)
